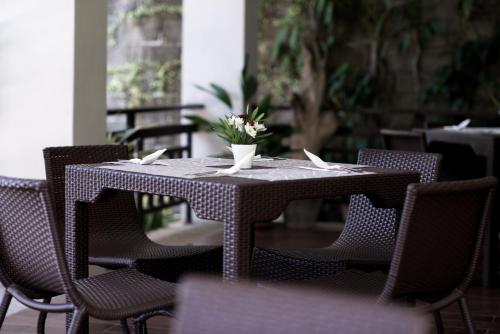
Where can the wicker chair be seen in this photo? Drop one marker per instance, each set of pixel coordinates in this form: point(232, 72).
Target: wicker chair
point(33, 265)
point(368, 237)
point(116, 235)
point(439, 242)
point(210, 307)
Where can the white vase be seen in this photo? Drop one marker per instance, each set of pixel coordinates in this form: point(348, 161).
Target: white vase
point(241, 151)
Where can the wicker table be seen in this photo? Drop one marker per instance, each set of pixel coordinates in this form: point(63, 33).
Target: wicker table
point(485, 143)
point(237, 201)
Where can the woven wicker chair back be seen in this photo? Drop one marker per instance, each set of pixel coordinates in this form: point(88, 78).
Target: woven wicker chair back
point(374, 229)
point(439, 239)
point(113, 220)
point(28, 256)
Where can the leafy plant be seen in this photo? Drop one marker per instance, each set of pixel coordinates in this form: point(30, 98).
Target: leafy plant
point(139, 82)
point(244, 129)
point(249, 87)
point(469, 72)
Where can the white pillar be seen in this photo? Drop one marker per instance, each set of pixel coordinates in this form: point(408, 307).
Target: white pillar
point(216, 35)
point(52, 81)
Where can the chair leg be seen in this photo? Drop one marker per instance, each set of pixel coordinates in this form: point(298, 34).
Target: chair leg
point(124, 326)
point(41, 318)
point(439, 322)
point(140, 327)
point(76, 321)
point(4, 306)
point(466, 315)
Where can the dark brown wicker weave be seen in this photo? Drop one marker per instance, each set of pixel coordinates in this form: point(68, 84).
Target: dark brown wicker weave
point(211, 307)
point(369, 234)
point(33, 265)
point(439, 241)
point(116, 235)
point(232, 200)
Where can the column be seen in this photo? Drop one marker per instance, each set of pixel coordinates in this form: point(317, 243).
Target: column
point(216, 36)
point(52, 87)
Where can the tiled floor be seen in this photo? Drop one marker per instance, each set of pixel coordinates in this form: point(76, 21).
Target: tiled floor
point(484, 303)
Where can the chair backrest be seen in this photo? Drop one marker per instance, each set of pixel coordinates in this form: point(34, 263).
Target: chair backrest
point(440, 236)
point(112, 221)
point(210, 307)
point(404, 140)
point(374, 229)
point(28, 255)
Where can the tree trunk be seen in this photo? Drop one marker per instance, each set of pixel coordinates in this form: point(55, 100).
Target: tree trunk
point(315, 126)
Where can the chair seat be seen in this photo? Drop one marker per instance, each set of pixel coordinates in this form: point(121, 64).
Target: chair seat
point(165, 262)
point(353, 282)
point(124, 293)
point(127, 254)
point(303, 264)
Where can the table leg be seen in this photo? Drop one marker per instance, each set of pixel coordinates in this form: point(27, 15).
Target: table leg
point(237, 250)
point(490, 249)
point(77, 249)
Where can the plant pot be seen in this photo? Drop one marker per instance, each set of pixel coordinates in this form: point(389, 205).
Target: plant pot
point(241, 151)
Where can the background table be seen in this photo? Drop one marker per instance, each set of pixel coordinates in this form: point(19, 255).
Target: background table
point(237, 201)
point(485, 144)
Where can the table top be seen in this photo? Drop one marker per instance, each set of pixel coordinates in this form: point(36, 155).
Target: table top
point(474, 131)
point(274, 182)
point(265, 171)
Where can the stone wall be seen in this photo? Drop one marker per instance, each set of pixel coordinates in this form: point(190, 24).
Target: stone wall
point(406, 75)
point(144, 48)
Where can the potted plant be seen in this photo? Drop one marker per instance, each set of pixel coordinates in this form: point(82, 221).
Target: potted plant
point(243, 132)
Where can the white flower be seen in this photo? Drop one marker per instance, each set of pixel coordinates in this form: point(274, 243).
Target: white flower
point(235, 121)
point(231, 120)
point(259, 126)
point(250, 130)
point(239, 123)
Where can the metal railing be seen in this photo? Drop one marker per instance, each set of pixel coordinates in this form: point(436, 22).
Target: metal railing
point(130, 113)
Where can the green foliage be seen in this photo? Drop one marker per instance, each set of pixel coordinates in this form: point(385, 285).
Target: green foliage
point(141, 80)
point(151, 8)
point(203, 123)
point(233, 133)
point(218, 92)
point(467, 7)
point(469, 71)
point(348, 90)
point(248, 84)
point(145, 9)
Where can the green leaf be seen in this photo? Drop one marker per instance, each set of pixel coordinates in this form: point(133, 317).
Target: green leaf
point(467, 7)
point(218, 92)
point(200, 121)
point(404, 43)
point(222, 95)
point(249, 87)
point(292, 40)
point(320, 7)
point(280, 39)
point(265, 106)
point(328, 18)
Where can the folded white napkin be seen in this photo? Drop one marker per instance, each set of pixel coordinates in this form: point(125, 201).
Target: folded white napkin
point(148, 159)
point(460, 126)
point(318, 162)
point(237, 166)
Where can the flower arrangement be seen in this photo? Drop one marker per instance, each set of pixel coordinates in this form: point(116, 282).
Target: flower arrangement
point(244, 129)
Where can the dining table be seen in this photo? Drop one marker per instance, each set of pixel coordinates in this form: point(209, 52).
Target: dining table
point(484, 145)
point(238, 201)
